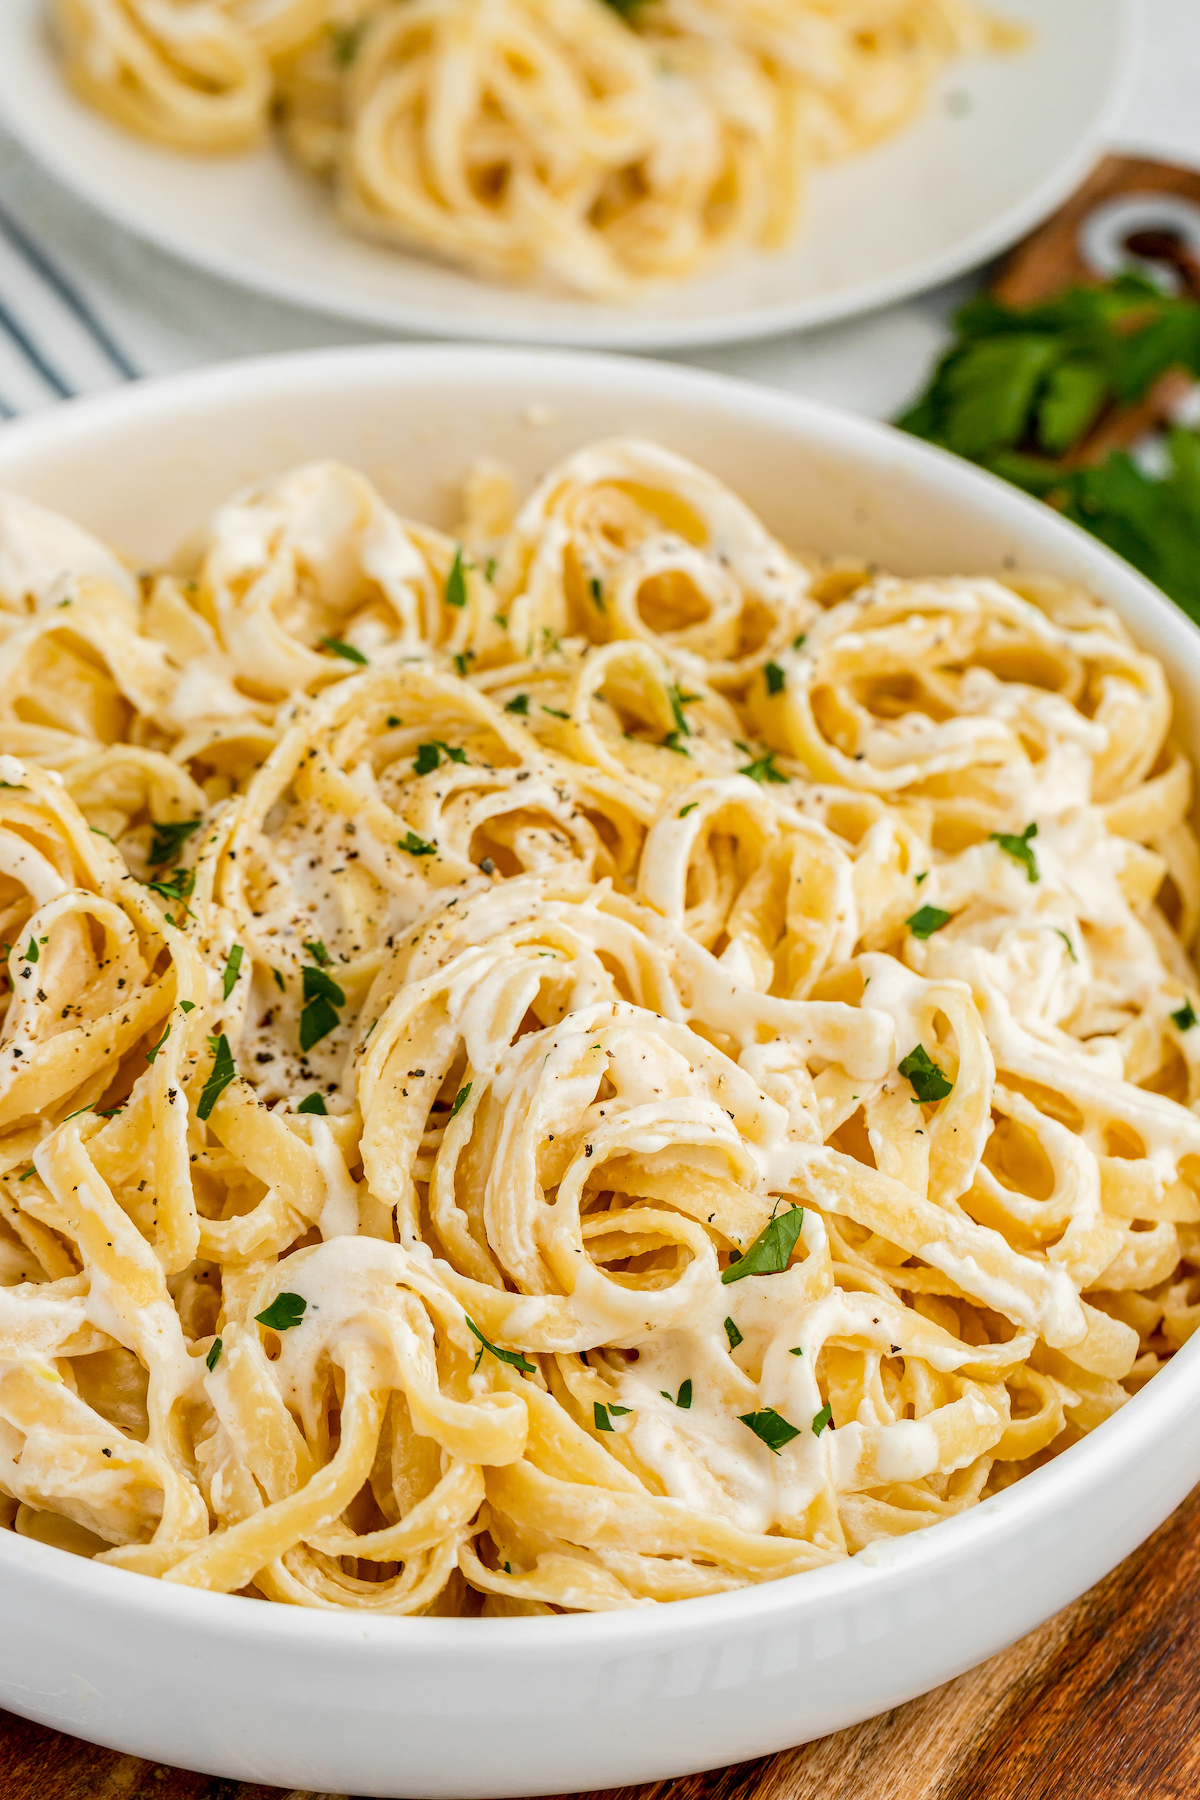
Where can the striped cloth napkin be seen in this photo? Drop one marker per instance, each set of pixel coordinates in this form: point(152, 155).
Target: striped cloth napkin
point(53, 344)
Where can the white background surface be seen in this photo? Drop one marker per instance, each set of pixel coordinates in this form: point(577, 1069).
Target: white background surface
point(170, 317)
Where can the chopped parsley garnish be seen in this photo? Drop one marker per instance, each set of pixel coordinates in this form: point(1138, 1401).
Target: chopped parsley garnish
point(220, 1075)
point(763, 769)
point(671, 742)
point(168, 840)
point(555, 713)
point(600, 1414)
point(685, 810)
point(346, 651)
point(319, 1016)
point(31, 955)
point(775, 678)
point(416, 846)
point(318, 952)
point(461, 660)
point(187, 1006)
point(518, 704)
point(232, 966)
point(798, 1350)
point(512, 1357)
point(280, 983)
point(771, 1249)
point(678, 702)
point(429, 756)
point(490, 567)
point(1065, 936)
point(392, 721)
point(1185, 1018)
point(214, 1355)
point(799, 641)
point(733, 1334)
point(927, 1080)
point(823, 1418)
point(684, 1398)
point(176, 886)
point(154, 1050)
point(460, 1100)
point(596, 590)
point(770, 1427)
point(926, 920)
point(284, 1311)
point(315, 1103)
point(456, 581)
point(923, 876)
point(1019, 848)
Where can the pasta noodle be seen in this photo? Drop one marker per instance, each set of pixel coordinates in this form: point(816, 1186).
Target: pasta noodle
point(599, 145)
point(588, 1064)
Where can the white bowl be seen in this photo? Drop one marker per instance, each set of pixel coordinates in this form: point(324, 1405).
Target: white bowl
point(1003, 141)
point(379, 1706)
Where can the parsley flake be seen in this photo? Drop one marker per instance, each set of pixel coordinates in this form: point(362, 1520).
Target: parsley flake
point(684, 1399)
point(926, 920)
point(1019, 848)
point(775, 678)
point(733, 1334)
point(168, 839)
point(1185, 1018)
point(284, 1311)
point(823, 1418)
point(1065, 936)
point(214, 1355)
point(763, 769)
point(318, 952)
point(220, 1075)
point(153, 1052)
point(31, 955)
point(416, 846)
point(771, 1249)
point(770, 1427)
point(685, 810)
point(518, 704)
point(280, 983)
point(346, 651)
point(232, 966)
point(513, 1358)
point(456, 581)
point(927, 1080)
point(315, 1103)
point(322, 997)
point(460, 1100)
point(596, 590)
point(429, 756)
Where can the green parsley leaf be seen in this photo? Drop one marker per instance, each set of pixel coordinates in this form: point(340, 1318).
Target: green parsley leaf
point(187, 1006)
point(490, 567)
point(600, 1415)
point(31, 954)
point(518, 704)
point(460, 1100)
point(461, 660)
point(775, 678)
point(1185, 1018)
point(346, 651)
point(923, 876)
point(220, 1075)
point(926, 920)
point(823, 1418)
point(168, 839)
point(671, 742)
point(733, 1334)
point(319, 1015)
point(232, 966)
point(429, 758)
point(280, 983)
point(393, 721)
point(770, 1427)
point(1065, 936)
point(318, 952)
point(678, 702)
point(176, 886)
point(456, 581)
point(799, 641)
point(315, 1103)
point(927, 1080)
point(214, 1355)
point(684, 1401)
point(284, 1311)
point(771, 1249)
point(798, 1350)
point(154, 1050)
point(554, 712)
point(685, 810)
point(1019, 848)
point(416, 846)
point(596, 590)
point(320, 986)
point(512, 1357)
point(763, 769)
point(29, 1171)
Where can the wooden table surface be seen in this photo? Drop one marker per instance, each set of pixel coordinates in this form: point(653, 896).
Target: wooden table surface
point(1101, 1703)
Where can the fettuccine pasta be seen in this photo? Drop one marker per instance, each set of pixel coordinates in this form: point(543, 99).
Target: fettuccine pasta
point(600, 145)
point(582, 1065)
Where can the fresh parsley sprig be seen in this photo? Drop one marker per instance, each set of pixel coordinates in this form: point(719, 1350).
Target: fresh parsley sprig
point(927, 1080)
point(770, 1252)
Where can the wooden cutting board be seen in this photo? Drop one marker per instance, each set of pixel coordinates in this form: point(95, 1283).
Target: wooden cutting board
point(1101, 1703)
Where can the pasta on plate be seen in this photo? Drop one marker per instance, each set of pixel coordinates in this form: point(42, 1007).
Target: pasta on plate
point(599, 145)
point(584, 1065)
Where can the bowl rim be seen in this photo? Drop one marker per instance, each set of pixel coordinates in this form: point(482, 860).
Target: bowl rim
point(634, 331)
point(888, 1564)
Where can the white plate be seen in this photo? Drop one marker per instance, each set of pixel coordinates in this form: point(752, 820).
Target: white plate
point(361, 1704)
point(1004, 141)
